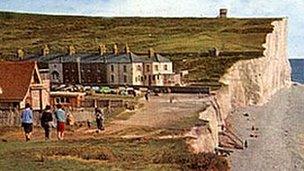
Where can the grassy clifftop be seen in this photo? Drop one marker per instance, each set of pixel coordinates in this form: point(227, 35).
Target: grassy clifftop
point(31, 31)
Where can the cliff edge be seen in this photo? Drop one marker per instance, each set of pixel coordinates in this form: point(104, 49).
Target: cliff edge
point(249, 82)
point(254, 81)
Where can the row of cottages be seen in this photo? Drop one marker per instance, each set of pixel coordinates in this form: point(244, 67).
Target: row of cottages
point(116, 68)
point(22, 83)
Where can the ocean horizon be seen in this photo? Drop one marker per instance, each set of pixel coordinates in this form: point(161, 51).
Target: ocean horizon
point(297, 70)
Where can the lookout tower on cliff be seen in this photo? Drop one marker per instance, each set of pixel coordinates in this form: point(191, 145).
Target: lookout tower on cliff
point(223, 13)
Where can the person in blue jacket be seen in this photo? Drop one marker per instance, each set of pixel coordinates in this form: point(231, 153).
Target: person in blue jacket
point(27, 121)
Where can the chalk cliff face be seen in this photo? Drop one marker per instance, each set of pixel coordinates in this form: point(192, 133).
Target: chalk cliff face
point(248, 82)
point(254, 81)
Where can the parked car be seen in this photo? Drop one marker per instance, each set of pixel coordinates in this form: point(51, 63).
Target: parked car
point(105, 90)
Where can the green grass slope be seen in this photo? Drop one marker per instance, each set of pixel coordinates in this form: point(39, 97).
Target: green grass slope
point(106, 154)
point(32, 31)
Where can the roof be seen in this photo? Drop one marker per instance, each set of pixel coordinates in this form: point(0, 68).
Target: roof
point(15, 79)
point(94, 58)
point(65, 93)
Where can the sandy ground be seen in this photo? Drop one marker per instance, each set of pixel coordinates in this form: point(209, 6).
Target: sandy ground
point(279, 127)
point(158, 111)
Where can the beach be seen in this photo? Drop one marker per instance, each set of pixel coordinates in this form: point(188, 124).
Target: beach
point(274, 132)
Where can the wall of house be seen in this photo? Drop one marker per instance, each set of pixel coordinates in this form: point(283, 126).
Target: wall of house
point(70, 73)
point(119, 73)
point(137, 70)
point(57, 67)
point(93, 73)
point(169, 68)
point(128, 73)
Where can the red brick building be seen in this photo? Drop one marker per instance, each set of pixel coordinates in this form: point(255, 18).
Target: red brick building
point(21, 83)
point(67, 99)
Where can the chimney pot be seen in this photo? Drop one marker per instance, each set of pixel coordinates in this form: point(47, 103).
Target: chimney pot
point(20, 53)
point(45, 50)
point(102, 49)
point(115, 49)
point(214, 52)
point(71, 50)
point(151, 53)
point(127, 49)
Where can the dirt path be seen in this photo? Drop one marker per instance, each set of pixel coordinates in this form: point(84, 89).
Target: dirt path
point(279, 126)
point(156, 114)
point(159, 112)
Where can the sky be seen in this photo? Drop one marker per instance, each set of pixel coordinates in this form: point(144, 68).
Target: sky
point(293, 9)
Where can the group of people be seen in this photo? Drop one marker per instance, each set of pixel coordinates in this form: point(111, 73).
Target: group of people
point(47, 121)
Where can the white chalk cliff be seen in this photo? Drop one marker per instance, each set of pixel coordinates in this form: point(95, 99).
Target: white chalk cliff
point(254, 81)
point(250, 82)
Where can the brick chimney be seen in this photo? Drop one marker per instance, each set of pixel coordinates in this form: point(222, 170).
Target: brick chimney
point(20, 54)
point(71, 50)
point(151, 53)
point(214, 52)
point(45, 50)
point(223, 13)
point(102, 49)
point(115, 49)
point(127, 49)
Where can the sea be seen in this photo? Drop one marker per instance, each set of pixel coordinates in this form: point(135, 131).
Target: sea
point(297, 73)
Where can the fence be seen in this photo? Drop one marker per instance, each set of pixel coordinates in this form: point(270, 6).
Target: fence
point(13, 118)
point(91, 103)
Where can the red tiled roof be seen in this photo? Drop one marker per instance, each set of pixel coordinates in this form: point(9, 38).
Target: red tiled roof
point(15, 79)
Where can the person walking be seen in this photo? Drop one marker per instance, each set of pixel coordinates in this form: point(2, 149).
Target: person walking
point(47, 121)
point(99, 115)
point(27, 121)
point(147, 95)
point(61, 119)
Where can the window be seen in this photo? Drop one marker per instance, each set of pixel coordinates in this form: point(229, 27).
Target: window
point(153, 78)
point(112, 68)
point(73, 70)
point(112, 78)
point(55, 75)
point(165, 67)
point(58, 100)
point(98, 70)
point(148, 68)
point(124, 68)
point(139, 78)
point(136, 79)
point(88, 71)
point(138, 67)
point(62, 100)
point(156, 67)
point(125, 79)
point(157, 76)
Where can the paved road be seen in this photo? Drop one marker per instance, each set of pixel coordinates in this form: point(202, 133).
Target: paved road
point(280, 142)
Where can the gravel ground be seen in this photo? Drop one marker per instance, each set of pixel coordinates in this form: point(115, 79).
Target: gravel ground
point(279, 126)
point(160, 112)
